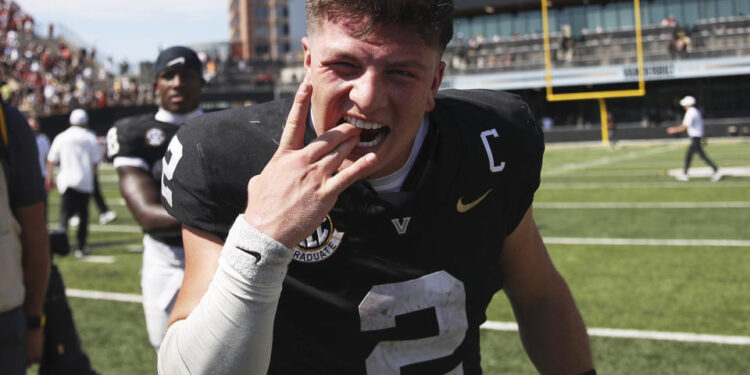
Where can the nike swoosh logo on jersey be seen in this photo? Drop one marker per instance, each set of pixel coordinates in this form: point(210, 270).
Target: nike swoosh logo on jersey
point(251, 252)
point(461, 207)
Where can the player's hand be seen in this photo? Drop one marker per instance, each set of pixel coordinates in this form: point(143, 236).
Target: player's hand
point(300, 184)
point(49, 182)
point(34, 346)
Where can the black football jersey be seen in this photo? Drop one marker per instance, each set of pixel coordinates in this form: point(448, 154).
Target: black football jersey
point(142, 137)
point(388, 283)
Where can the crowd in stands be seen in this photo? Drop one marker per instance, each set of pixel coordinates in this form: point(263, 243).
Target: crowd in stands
point(667, 40)
point(47, 75)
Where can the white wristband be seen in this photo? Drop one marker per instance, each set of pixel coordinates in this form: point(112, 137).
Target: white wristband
point(254, 255)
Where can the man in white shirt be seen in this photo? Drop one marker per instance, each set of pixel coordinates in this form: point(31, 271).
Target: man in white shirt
point(76, 152)
point(693, 124)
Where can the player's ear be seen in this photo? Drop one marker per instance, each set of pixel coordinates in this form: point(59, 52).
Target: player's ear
point(437, 79)
point(307, 57)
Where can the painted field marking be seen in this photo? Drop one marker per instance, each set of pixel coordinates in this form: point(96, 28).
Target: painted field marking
point(104, 296)
point(108, 228)
point(619, 205)
point(492, 325)
point(707, 172)
point(644, 242)
point(103, 259)
point(638, 334)
point(565, 168)
point(640, 185)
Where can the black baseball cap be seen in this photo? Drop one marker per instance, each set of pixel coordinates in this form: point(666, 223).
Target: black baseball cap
point(178, 57)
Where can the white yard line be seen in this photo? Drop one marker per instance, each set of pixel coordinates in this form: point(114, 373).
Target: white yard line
point(638, 334)
point(492, 325)
point(618, 205)
point(103, 259)
point(640, 185)
point(107, 228)
point(104, 296)
point(635, 154)
point(644, 242)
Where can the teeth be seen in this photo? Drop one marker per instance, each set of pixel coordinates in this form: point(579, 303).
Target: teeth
point(371, 143)
point(362, 124)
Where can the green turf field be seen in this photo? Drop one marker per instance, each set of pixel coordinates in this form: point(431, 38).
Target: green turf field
point(641, 252)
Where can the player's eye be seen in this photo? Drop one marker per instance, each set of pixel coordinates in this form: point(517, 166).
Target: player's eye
point(168, 76)
point(343, 68)
point(403, 73)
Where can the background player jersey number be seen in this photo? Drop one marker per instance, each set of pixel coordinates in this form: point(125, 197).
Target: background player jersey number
point(379, 308)
point(175, 154)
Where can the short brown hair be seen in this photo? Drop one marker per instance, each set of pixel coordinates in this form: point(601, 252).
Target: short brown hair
point(431, 20)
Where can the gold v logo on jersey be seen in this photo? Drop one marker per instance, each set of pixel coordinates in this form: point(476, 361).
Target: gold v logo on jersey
point(464, 207)
point(401, 224)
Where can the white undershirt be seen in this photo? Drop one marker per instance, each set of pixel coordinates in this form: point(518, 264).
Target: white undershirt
point(393, 182)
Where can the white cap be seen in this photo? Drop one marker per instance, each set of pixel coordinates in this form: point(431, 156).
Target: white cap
point(79, 117)
point(688, 100)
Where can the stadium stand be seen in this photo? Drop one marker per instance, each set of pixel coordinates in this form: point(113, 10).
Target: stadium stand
point(716, 37)
point(47, 75)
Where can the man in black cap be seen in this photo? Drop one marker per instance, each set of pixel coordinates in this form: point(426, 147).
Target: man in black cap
point(136, 146)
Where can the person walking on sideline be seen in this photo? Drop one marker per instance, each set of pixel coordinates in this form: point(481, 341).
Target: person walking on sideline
point(76, 152)
point(693, 124)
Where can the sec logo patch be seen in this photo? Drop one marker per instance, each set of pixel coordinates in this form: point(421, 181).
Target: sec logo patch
point(155, 137)
point(319, 245)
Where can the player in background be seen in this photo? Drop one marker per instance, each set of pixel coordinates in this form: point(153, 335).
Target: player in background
point(692, 123)
point(136, 146)
point(369, 234)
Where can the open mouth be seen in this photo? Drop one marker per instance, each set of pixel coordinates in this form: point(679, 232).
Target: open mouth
point(372, 133)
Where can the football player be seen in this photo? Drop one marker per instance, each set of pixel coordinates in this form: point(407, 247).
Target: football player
point(364, 227)
point(136, 146)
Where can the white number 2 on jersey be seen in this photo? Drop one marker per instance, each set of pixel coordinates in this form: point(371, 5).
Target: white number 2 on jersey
point(379, 308)
point(168, 167)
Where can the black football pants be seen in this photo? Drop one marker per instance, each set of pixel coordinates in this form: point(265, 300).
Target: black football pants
point(696, 147)
point(75, 202)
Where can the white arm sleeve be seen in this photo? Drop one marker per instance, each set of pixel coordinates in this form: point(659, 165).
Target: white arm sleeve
point(231, 329)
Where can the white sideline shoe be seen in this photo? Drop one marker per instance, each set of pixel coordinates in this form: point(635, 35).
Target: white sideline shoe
point(717, 176)
point(107, 217)
point(682, 177)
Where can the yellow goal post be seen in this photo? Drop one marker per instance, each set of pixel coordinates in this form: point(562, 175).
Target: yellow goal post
point(599, 95)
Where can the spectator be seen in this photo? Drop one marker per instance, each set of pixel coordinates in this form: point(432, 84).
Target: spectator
point(611, 131)
point(42, 145)
point(669, 21)
point(693, 124)
point(547, 123)
point(25, 256)
point(680, 44)
point(565, 52)
point(76, 152)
